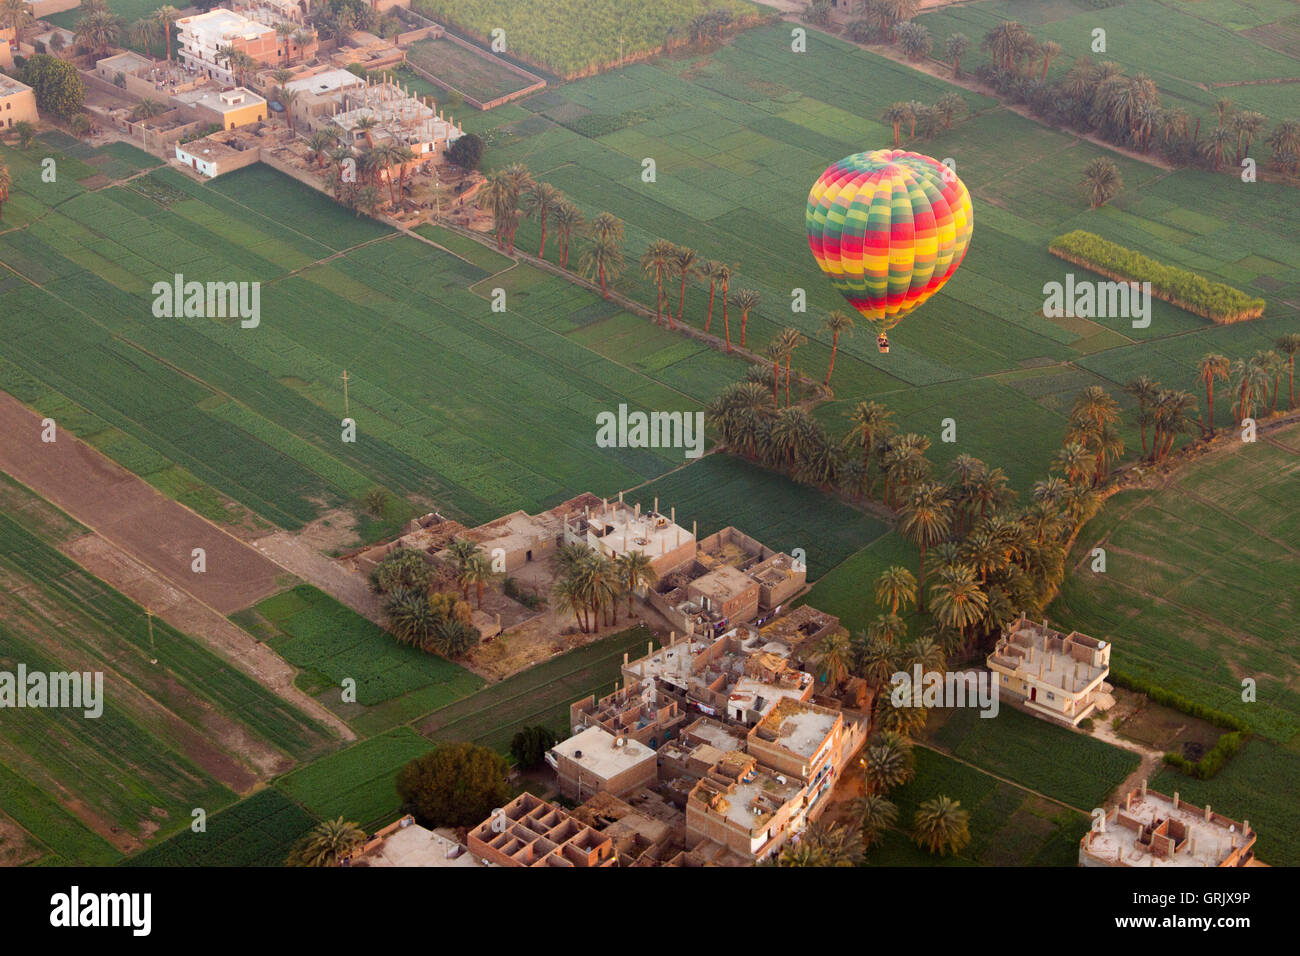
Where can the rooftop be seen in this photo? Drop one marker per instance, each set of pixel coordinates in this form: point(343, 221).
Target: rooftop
point(618, 529)
point(1151, 829)
point(596, 750)
point(325, 82)
point(799, 727)
point(9, 85)
point(413, 845)
point(1071, 662)
point(223, 23)
point(722, 584)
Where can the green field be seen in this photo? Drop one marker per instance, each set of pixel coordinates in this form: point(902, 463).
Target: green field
point(257, 831)
point(473, 75)
point(1199, 590)
point(1182, 46)
point(357, 783)
point(739, 134)
point(540, 695)
point(330, 643)
point(1008, 825)
point(570, 37)
point(444, 390)
point(170, 733)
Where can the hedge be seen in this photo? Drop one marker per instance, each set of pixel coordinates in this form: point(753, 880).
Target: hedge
point(1187, 290)
point(1227, 745)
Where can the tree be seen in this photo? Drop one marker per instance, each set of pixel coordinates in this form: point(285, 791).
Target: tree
point(832, 656)
point(888, 762)
point(57, 85)
point(18, 15)
point(455, 784)
point(926, 520)
point(569, 222)
point(744, 300)
point(958, 600)
point(789, 340)
point(477, 572)
point(956, 46)
point(1284, 140)
point(497, 197)
point(539, 202)
point(896, 587)
point(98, 30)
point(6, 181)
point(529, 745)
point(824, 844)
point(25, 132)
point(142, 33)
point(636, 570)
point(1212, 366)
point(148, 108)
point(329, 843)
point(1289, 345)
point(685, 267)
point(656, 261)
point(1049, 49)
point(288, 99)
point(603, 259)
point(896, 115)
point(914, 39)
point(1101, 181)
point(164, 17)
point(836, 323)
point(403, 568)
point(466, 152)
point(1217, 142)
point(1144, 390)
point(941, 826)
point(876, 814)
point(949, 106)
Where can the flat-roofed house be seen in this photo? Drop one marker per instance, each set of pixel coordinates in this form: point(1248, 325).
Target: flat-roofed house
point(596, 760)
point(202, 37)
point(17, 103)
point(1058, 676)
point(226, 108)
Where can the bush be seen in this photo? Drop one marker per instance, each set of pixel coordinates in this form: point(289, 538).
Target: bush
point(525, 596)
point(529, 745)
point(1187, 290)
point(56, 83)
point(1086, 724)
point(1178, 702)
point(466, 152)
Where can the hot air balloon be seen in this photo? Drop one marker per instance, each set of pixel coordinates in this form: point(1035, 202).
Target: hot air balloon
point(889, 227)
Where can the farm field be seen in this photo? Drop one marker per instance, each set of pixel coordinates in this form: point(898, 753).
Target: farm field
point(258, 831)
point(1068, 766)
point(569, 38)
point(188, 731)
point(331, 643)
point(1199, 590)
point(1008, 825)
point(1182, 46)
point(739, 133)
point(540, 695)
point(253, 414)
point(473, 75)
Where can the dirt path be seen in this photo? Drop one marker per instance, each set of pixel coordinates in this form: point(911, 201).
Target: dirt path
point(1152, 759)
point(289, 551)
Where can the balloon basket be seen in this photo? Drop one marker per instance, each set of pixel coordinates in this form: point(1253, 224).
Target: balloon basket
point(882, 343)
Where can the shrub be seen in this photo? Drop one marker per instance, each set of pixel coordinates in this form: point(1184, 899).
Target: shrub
point(525, 596)
point(457, 784)
point(1187, 290)
point(1178, 702)
point(529, 745)
point(466, 152)
point(1086, 724)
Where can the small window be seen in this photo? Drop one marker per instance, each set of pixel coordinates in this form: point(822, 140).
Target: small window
point(1051, 696)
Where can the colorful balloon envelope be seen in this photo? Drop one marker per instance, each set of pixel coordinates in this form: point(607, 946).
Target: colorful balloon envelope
point(889, 227)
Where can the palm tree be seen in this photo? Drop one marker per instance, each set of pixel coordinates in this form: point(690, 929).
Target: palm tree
point(568, 222)
point(6, 181)
point(1289, 345)
point(1285, 143)
point(98, 30)
point(1212, 366)
point(329, 844)
point(142, 33)
point(709, 271)
point(956, 45)
point(1250, 385)
point(948, 106)
point(636, 570)
point(657, 260)
point(477, 572)
point(824, 845)
point(685, 267)
point(744, 300)
point(603, 259)
point(164, 17)
point(1216, 143)
point(287, 99)
point(941, 826)
point(540, 201)
point(1172, 414)
point(607, 226)
point(1101, 181)
point(1223, 109)
point(887, 628)
point(18, 14)
point(723, 274)
point(896, 116)
point(832, 656)
point(888, 763)
point(498, 198)
point(789, 340)
point(1049, 49)
point(568, 596)
point(301, 38)
point(148, 108)
point(959, 601)
point(895, 588)
point(875, 814)
point(836, 323)
point(775, 353)
point(926, 520)
point(1144, 390)
point(1247, 125)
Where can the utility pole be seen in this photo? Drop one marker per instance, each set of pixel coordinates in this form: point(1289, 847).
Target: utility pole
point(345, 394)
point(148, 612)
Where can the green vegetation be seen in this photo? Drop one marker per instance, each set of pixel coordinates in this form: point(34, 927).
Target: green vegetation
point(257, 831)
point(1187, 290)
point(454, 784)
point(333, 643)
point(1199, 585)
point(357, 783)
point(476, 75)
point(573, 38)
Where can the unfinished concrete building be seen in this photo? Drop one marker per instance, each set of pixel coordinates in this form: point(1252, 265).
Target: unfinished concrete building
point(636, 710)
point(779, 576)
point(1151, 829)
point(616, 528)
point(645, 829)
point(799, 632)
point(748, 809)
point(529, 831)
point(1054, 675)
point(399, 118)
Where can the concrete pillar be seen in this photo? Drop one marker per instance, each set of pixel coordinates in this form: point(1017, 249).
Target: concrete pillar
point(1144, 788)
point(1176, 801)
point(1207, 813)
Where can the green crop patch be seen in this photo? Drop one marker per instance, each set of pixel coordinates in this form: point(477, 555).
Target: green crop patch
point(257, 831)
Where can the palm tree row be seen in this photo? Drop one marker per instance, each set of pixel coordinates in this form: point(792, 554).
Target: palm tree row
point(590, 585)
point(931, 119)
